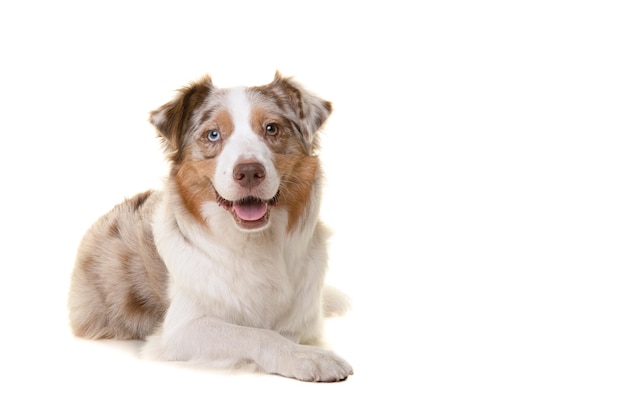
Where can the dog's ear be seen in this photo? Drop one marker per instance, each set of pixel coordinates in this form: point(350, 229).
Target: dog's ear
point(312, 111)
point(172, 119)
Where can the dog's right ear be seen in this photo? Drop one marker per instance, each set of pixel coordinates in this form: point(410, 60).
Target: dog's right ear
point(172, 119)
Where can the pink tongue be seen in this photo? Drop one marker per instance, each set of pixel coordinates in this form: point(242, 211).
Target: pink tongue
point(250, 211)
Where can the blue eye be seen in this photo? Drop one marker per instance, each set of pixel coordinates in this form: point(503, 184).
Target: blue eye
point(213, 135)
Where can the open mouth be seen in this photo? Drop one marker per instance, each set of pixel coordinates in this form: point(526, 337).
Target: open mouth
point(249, 212)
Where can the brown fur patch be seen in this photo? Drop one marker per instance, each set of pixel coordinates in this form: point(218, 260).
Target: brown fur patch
point(86, 263)
point(194, 182)
point(136, 304)
point(114, 230)
point(298, 174)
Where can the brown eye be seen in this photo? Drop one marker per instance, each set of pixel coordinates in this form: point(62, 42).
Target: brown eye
point(271, 129)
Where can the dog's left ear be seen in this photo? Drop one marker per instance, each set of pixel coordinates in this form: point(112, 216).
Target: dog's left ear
point(310, 109)
point(172, 119)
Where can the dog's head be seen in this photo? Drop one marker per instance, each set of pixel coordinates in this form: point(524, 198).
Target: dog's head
point(244, 149)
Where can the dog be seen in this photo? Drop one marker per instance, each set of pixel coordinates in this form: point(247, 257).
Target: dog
point(226, 265)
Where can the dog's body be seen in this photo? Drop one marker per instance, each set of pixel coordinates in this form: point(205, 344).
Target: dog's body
point(226, 265)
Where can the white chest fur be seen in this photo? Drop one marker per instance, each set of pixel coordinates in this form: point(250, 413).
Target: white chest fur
point(270, 280)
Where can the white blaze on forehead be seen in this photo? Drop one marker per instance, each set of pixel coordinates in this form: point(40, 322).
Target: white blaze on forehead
point(243, 145)
point(239, 106)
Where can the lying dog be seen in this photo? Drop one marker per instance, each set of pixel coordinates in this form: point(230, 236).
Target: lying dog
point(226, 265)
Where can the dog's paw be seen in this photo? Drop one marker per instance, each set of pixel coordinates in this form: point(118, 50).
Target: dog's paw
point(308, 363)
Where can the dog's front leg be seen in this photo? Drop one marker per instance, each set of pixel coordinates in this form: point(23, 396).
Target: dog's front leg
point(206, 339)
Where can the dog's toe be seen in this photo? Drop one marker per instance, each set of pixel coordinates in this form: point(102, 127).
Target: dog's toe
point(315, 365)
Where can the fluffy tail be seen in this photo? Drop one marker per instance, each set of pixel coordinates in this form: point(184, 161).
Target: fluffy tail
point(334, 302)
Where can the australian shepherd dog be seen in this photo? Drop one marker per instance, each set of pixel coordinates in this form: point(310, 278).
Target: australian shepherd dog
point(226, 265)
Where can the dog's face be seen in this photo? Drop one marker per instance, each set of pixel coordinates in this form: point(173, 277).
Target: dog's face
point(244, 149)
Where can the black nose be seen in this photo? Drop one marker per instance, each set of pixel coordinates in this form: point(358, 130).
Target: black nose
point(249, 174)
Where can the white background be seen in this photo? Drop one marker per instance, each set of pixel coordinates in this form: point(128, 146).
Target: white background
point(476, 186)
